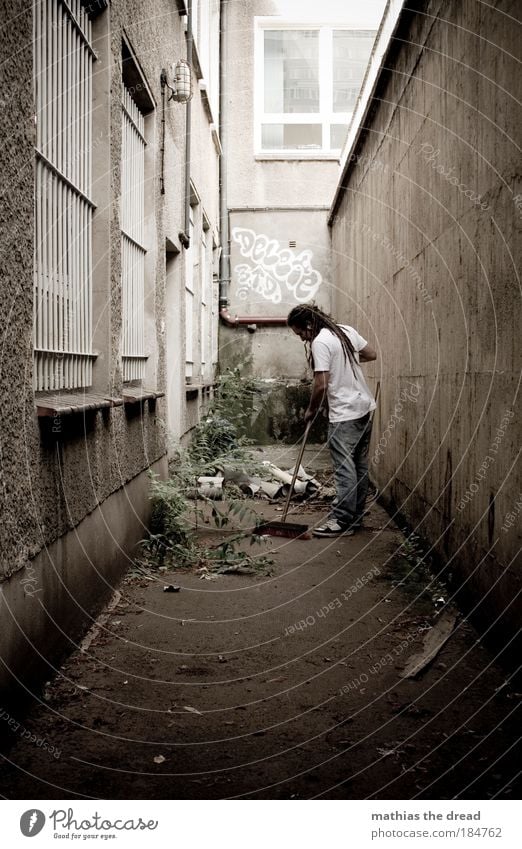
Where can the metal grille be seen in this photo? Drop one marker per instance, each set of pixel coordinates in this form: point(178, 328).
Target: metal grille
point(132, 239)
point(204, 296)
point(189, 299)
point(63, 62)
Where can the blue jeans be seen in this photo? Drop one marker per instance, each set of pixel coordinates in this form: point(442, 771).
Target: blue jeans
point(348, 443)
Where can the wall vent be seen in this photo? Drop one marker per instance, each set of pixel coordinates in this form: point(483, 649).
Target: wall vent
point(292, 243)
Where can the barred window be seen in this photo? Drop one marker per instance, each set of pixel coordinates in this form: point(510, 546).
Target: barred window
point(132, 238)
point(63, 67)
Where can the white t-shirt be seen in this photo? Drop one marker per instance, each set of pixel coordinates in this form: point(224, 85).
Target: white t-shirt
point(348, 395)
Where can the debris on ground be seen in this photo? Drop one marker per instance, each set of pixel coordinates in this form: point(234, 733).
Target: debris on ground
point(435, 638)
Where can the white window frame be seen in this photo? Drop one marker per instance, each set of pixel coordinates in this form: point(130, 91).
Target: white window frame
point(326, 116)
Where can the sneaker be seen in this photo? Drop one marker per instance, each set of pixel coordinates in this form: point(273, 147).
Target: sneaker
point(331, 528)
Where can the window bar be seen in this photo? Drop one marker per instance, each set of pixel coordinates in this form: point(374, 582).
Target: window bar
point(65, 280)
point(59, 278)
point(55, 67)
point(132, 225)
point(138, 304)
point(74, 344)
point(52, 265)
point(51, 228)
point(58, 51)
point(81, 179)
point(37, 64)
point(47, 59)
point(68, 377)
point(37, 333)
point(45, 268)
point(88, 300)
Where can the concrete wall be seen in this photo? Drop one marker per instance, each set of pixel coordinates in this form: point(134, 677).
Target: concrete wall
point(426, 240)
point(273, 201)
point(58, 475)
point(47, 607)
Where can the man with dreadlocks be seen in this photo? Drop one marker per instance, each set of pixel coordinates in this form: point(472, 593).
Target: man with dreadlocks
point(334, 351)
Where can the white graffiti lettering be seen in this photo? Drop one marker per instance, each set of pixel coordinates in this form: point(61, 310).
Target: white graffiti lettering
point(273, 267)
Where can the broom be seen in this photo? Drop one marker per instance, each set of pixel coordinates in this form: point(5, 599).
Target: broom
point(283, 528)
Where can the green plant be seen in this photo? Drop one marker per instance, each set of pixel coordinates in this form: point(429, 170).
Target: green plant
point(233, 396)
point(215, 443)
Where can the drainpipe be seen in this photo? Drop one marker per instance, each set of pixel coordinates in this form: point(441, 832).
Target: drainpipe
point(184, 236)
point(251, 322)
point(224, 261)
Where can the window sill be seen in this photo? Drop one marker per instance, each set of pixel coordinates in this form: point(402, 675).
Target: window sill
point(49, 405)
point(303, 157)
point(138, 394)
point(193, 389)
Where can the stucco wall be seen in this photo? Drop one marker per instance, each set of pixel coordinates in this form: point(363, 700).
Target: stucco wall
point(53, 480)
point(257, 181)
point(57, 474)
point(426, 244)
point(277, 211)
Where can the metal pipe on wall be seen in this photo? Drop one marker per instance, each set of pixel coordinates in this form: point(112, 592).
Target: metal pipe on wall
point(185, 236)
point(224, 261)
point(250, 321)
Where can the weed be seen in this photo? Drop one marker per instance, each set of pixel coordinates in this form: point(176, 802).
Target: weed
point(173, 540)
point(412, 572)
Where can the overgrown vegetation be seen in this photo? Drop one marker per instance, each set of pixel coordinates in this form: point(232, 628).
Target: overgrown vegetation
point(179, 522)
point(411, 571)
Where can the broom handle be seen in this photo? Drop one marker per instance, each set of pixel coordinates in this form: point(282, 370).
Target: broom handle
point(296, 470)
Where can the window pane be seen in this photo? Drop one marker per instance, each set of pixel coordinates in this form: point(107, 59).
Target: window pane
point(292, 136)
point(351, 53)
point(291, 71)
point(338, 135)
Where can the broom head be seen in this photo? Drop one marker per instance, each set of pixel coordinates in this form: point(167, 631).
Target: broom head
point(290, 530)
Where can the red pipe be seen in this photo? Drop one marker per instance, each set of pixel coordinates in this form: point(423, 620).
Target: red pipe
point(241, 320)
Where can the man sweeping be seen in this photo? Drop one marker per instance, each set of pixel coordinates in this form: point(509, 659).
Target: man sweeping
point(334, 352)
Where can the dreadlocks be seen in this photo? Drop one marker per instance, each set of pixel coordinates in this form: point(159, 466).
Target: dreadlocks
point(310, 317)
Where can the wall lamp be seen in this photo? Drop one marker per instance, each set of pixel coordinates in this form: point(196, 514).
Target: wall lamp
point(181, 88)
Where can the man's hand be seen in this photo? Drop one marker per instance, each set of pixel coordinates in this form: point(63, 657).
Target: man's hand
point(318, 396)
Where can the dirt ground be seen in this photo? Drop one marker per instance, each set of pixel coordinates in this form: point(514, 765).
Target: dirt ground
point(281, 685)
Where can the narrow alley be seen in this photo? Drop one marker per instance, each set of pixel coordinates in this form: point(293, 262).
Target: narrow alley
point(284, 684)
point(231, 230)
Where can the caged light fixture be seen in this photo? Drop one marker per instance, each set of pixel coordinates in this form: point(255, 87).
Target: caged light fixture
point(181, 90)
